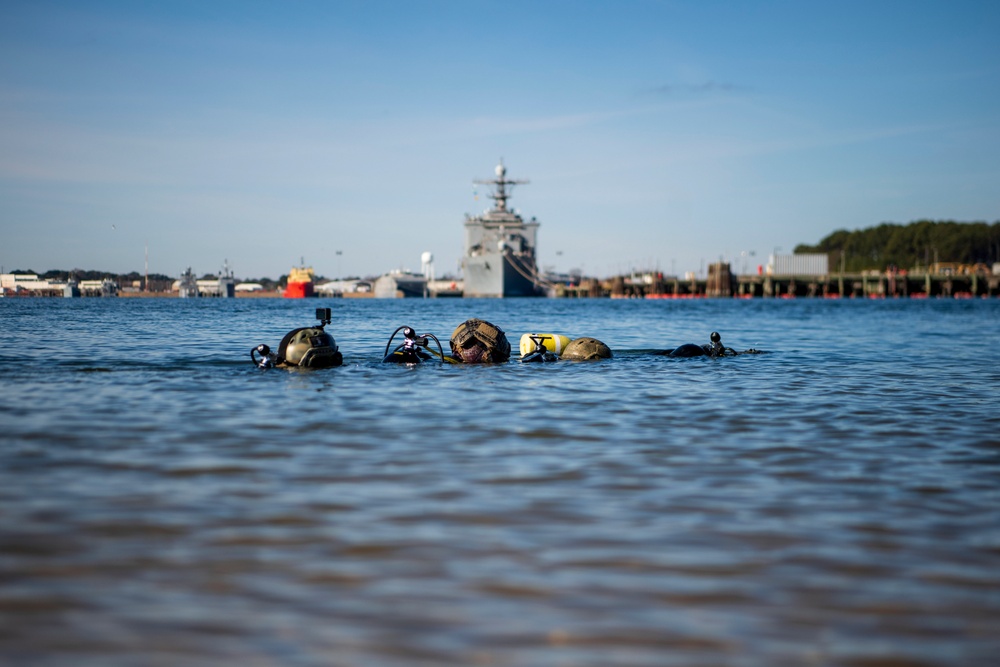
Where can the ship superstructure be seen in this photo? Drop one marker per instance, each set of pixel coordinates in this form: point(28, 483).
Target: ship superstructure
point(187, 286)
point(499, 256)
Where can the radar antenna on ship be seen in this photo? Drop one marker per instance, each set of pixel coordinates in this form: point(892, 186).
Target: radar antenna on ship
point(501, 193)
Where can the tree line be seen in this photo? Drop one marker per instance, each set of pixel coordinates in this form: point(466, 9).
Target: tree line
point(915, 245)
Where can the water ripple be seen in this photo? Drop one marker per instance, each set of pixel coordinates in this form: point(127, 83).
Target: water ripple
point(832, 502)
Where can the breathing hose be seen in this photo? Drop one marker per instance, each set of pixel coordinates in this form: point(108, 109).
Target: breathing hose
point(412, 345)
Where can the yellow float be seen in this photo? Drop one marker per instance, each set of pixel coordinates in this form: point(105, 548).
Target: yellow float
point(554, 343)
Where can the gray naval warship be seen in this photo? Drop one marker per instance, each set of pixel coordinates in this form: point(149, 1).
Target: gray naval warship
point(500, 247)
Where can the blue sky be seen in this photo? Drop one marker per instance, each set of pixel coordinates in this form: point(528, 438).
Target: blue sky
point(655, 134)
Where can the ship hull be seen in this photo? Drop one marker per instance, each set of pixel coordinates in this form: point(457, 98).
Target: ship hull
point(297, 290)
point(494, 275)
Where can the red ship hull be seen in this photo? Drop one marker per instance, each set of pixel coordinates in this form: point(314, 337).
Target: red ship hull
point(297, 290)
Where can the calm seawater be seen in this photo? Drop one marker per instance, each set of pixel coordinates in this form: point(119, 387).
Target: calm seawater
point(834, 502)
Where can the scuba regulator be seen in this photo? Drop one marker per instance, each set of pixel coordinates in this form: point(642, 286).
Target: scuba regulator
point(541, 353)
point(306, 347)
point(413, 349)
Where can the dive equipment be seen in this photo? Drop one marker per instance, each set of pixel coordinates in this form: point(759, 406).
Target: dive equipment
point(267, 358)
point(686, 350)
point(716, 348)
point(413, 349)
point(477, 341)
point(306, 347)
point(540, 352)
point(554, 343)
point(585, 349)
point(713, 349)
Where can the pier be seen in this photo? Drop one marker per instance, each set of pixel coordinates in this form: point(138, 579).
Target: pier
point(720, 283)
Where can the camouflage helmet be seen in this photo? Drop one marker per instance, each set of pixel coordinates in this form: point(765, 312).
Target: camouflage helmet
point(479, 342)
point(584, 349)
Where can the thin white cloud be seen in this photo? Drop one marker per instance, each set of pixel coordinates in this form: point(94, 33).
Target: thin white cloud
point(704, 88)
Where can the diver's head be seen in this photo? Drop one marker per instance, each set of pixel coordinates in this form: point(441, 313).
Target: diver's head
point(312, 347)
point(479, 342)
point(715, 337)
point(585, 349)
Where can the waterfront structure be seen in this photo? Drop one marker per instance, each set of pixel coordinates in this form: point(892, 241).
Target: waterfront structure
point(400, 284)
point(17, 284)
point(29, 284)
point(445, 288)
point(500, 258)
point(189, 287)
point(352, 287)
point(799, 264)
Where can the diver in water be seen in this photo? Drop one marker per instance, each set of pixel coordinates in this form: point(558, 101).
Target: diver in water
point(553, 347)
point(586, 349)
point(267, 358)
point(474, 341)
point(306, 347)
point(479, 342)
point(413, 350)
point(713, 349)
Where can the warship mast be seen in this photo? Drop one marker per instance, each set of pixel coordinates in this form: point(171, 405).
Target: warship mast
point(500, 194)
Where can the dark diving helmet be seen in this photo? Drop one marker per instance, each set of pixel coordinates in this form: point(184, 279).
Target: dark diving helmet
point(311, 347)
point(307, 347)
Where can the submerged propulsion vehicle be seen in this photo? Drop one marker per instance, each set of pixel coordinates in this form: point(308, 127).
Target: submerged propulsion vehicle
point(306, 347)
point(414, 349)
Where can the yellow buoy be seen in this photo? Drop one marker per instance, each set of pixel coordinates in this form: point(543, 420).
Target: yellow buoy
point(553, 342)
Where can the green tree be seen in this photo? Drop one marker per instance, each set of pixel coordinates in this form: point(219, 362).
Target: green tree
point(917, 244)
